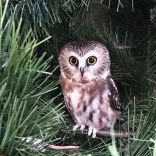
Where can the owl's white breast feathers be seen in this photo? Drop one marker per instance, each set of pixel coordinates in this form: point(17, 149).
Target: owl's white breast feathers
point(106, 94)
point(74, 97)
point(105, 74)
point(90, 103)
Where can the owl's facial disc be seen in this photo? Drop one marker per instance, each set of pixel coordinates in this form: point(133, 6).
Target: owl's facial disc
point(83, 66)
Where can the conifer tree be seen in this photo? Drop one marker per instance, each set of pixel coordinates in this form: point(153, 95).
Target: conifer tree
point(32, 111)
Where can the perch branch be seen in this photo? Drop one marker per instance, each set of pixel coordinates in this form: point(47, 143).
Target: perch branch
point(124, 135)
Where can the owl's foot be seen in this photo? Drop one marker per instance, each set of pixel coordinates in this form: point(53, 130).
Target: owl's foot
point(82, 127)
point(76, 127)
point(92, 131)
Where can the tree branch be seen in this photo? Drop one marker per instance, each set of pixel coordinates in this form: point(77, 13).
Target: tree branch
point(124, 135)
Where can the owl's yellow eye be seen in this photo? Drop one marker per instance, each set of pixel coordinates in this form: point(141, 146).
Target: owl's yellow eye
point(91, 60)
point(73, 61)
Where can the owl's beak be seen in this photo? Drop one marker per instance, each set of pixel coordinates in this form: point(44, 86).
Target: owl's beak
point(82, 70)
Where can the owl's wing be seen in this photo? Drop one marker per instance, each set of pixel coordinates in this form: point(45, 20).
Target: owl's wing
point(114, 95)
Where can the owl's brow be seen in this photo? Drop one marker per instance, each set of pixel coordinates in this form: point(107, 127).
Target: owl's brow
point(81, 47)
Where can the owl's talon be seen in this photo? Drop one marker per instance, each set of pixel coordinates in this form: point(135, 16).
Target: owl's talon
point(82, 127)
point(94, 133)
point(76, 126)
point(90, 131)
point(94, 136)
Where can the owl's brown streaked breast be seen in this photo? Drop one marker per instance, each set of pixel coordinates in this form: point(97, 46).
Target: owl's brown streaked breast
point(88, 103)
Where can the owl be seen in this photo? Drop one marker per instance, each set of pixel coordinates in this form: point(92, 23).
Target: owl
point(89, 90)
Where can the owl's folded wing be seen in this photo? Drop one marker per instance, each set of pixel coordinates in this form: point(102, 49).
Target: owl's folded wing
point(114, 95)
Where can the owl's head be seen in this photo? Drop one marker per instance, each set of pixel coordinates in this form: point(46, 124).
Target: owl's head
point(84, 60)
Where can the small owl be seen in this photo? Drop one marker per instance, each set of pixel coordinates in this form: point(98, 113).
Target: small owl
point(90, 93)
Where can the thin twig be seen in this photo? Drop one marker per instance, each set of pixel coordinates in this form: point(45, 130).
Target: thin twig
point(63, 147)
point(123, 47)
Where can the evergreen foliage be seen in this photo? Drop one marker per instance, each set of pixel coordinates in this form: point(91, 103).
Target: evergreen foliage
point(31, 103)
